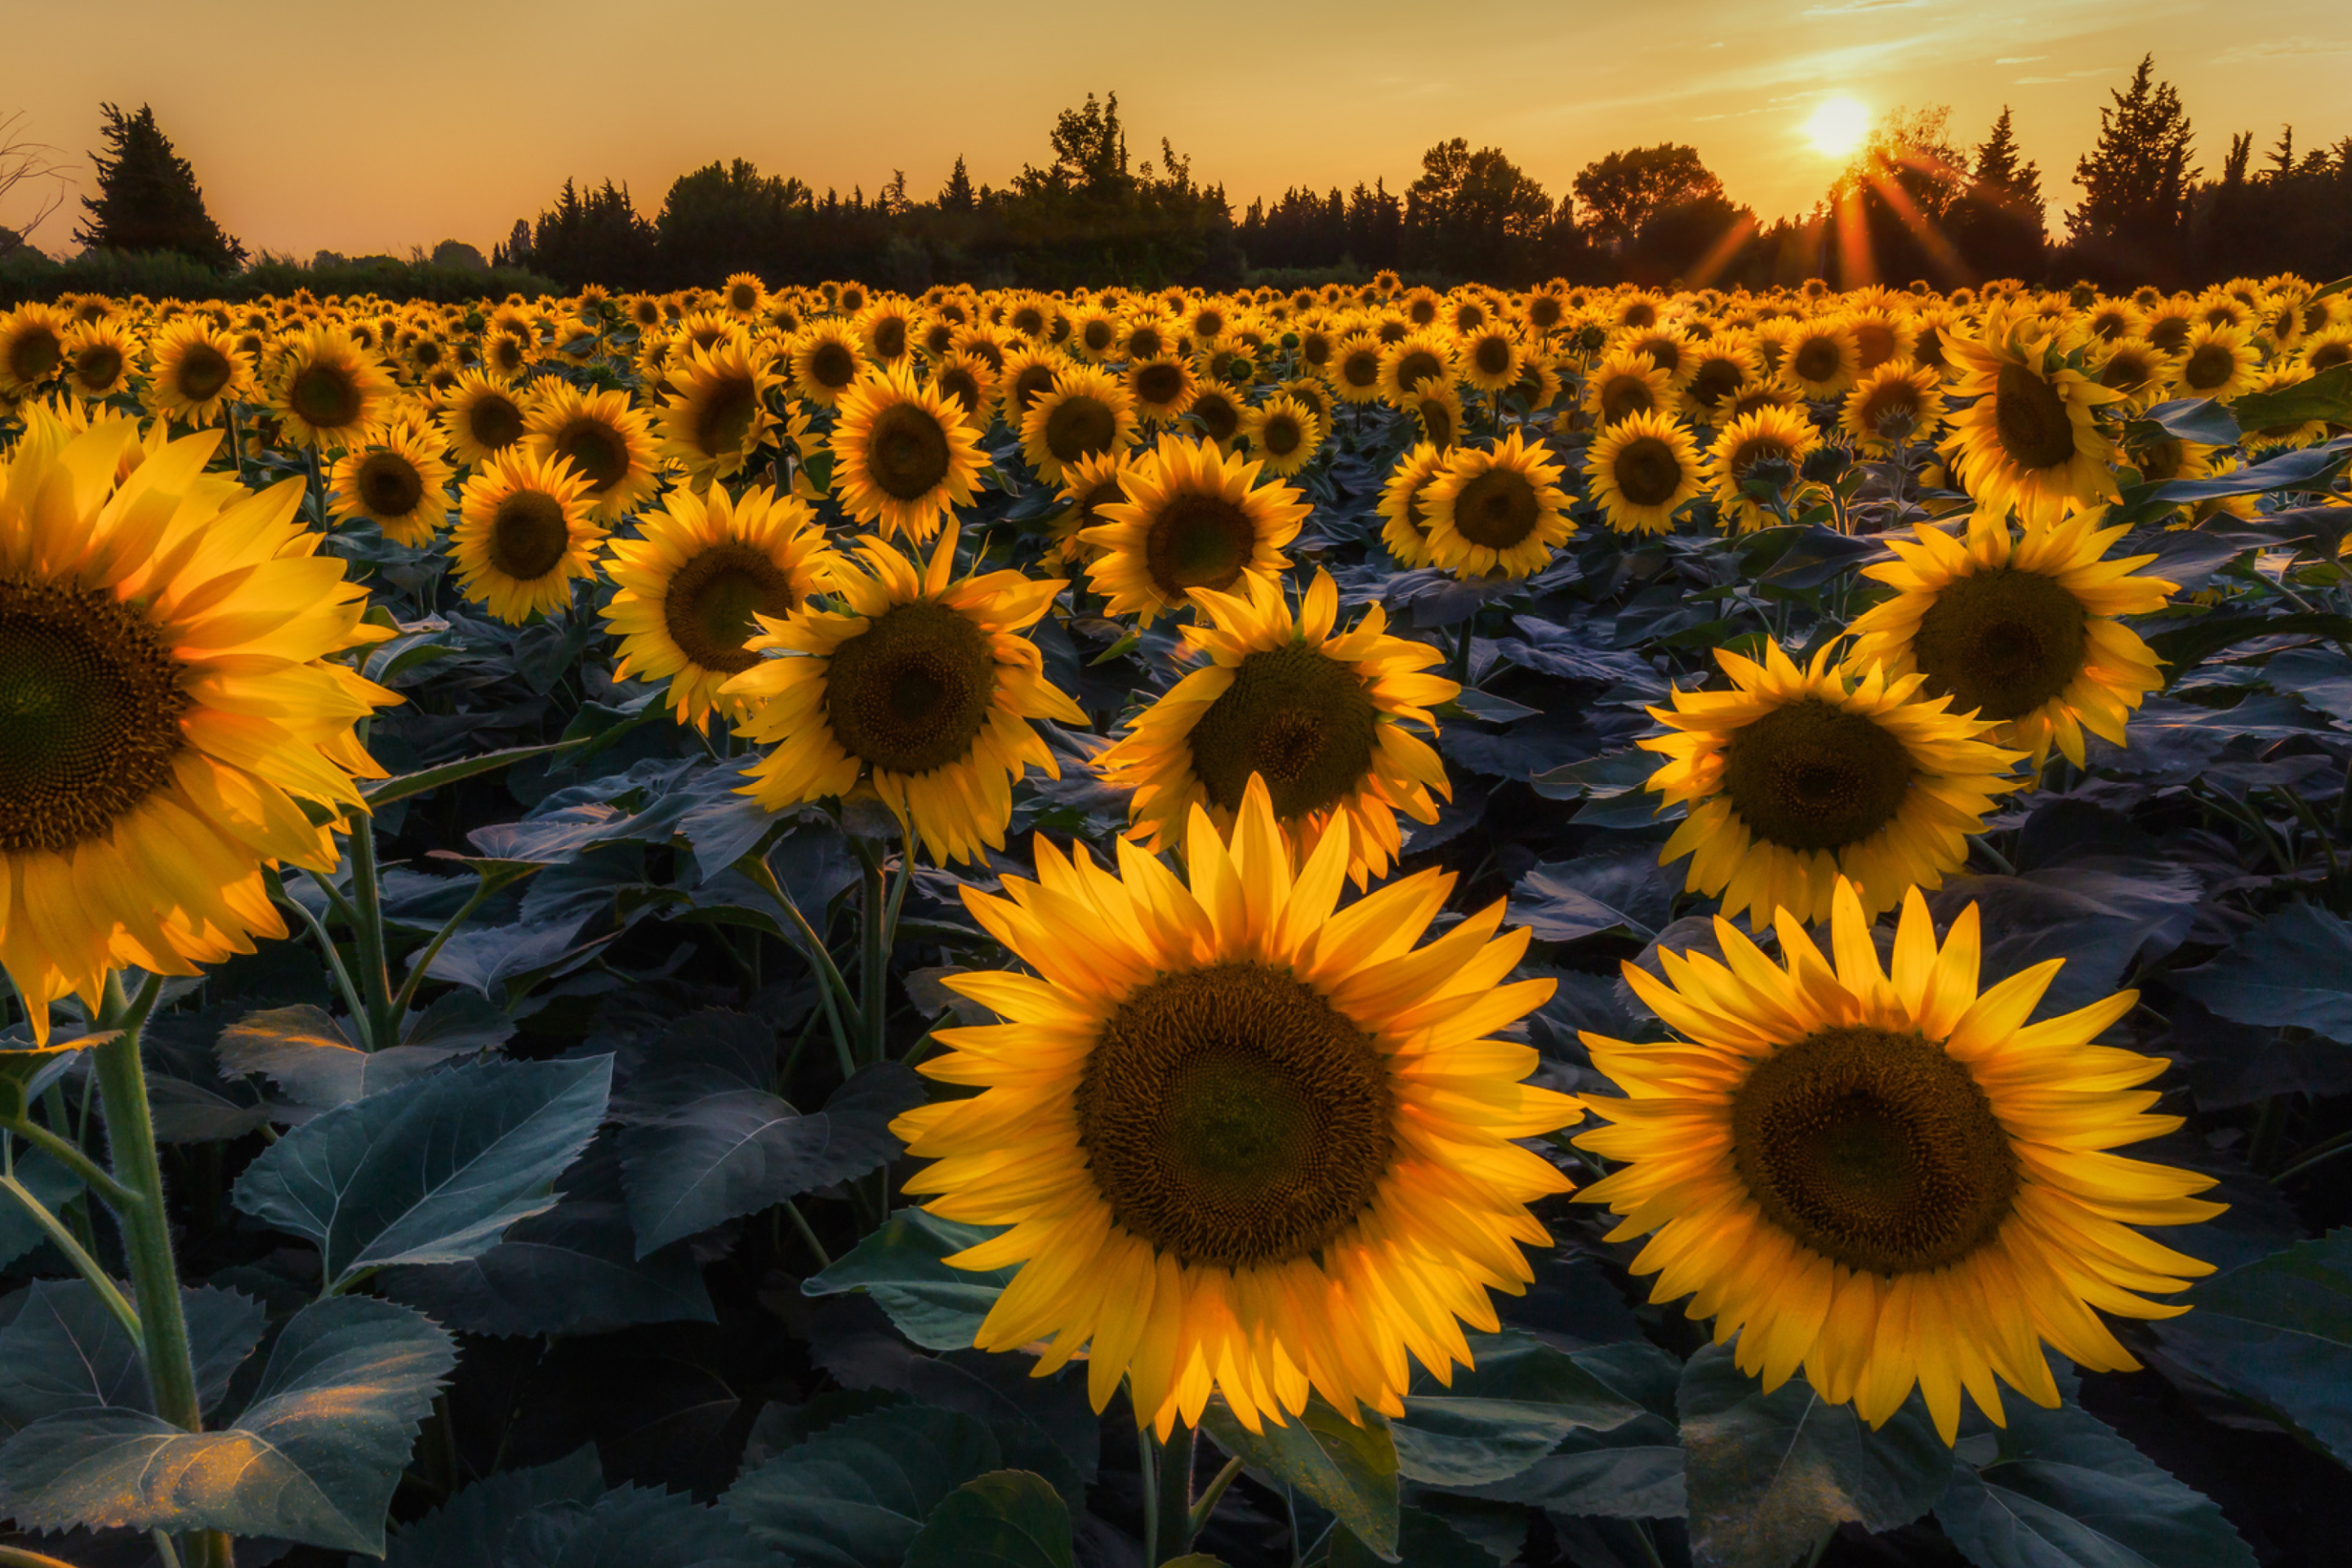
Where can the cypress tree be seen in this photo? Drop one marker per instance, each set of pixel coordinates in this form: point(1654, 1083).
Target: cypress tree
point(2135, 181)
point(147, 198)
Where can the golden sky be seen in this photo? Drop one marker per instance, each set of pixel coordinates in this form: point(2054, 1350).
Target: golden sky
point(359, 128)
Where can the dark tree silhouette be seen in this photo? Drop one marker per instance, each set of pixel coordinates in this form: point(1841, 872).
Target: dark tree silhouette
point(1998, 222)
point(1474, 212)
point(2136, 184)
point(1622, 191)
point(147, 198)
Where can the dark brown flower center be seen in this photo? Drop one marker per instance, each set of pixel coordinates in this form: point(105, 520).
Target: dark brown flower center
point(723, 420)
point(910, 693)
point(1079, 427)
point(2030, 418)
point(1817, 360)
point(907, 452)
point(596, 450)
point(388, 485)
point(2002, 643)
point(528, 534)
point(202, 371)
point(1499, 508)
point(1161, 383)
point(712, 600)
point(1295, 717)
point(324, 397)
point(1647, 471)
point(1810, 776)
point(833, 364)
point(1199, 541)
point(493, 421)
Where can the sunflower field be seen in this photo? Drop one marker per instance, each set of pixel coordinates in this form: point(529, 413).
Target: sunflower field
point(1351, 925)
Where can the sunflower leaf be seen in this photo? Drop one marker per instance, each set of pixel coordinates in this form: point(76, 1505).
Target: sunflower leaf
point(2293, 968)
point(2277, 1333)
point(903, 1266)
point(384, 791)
point(1506, 1411)
point(1009, 1518)
point(1348, 1469)
point(857, 1494)
point(2326, 396)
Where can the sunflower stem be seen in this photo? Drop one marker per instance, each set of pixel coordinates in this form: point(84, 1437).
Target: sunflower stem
point(62, 1238)
point(406, 996)
point(832, 989)
point(382, 1024)
point(1206, 1504)
point(1174, 1531)
point(66, 1153)
point(1458, 668)
point(874, 951)
point(334, 957)
point(237, 442)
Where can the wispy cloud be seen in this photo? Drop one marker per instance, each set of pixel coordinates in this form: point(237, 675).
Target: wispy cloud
point(1860, 7)
point(2282, 49)
point(2018, 59)
point(2067, 76)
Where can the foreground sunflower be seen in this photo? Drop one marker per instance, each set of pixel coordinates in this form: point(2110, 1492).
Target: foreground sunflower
point(1086, 412)
point(902, 453)
point(194, 369)
point(692, 584)
point(1796, 778)
point(921, 687)
point(329, 390)
point(1318, 714)
point(1889, 1179)
point(1404, 531)
point(603, 437)
point(482, 417)
point(171, 705)
point(718, 416)
point(1193, 518)
point(525, 528)
point(400, 483)
point(1496, 511)
point(1247, 1142)
point(1640, 469)
point(2020, 627)
point(2029, 441)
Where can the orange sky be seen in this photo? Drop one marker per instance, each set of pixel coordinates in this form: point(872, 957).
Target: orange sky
point(362, 128)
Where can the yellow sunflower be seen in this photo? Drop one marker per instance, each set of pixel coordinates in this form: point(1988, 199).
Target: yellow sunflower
point(482, 417)
point(2020, 627)
point(1284, 433)
point(1797, 777)
point(1354, 371)
point(1193, 518)
point(1088, 486)
point(1247, 1142)
point(1437, 410)
point(826, 359)
point(1404, 532)
point(1318, 714)
point(32, 348)
point(718, 416)
point(193, 368)
point(1625, 383)
point(920, 688)
point(526, 528)
point(172, 706)
point(903, 454)
point(2029, 441)
point(1721, 369)
point(399, 481)
point(1492, 358)
point(1496, 511)
point(1415, 360)
point(1889, 1179)
point(1640, 469)
point(1086, 412)
point(1029, 373)
point(1899, 401)
point(2218, 362)
point(1773, 434)
point(604, 439)
point(1820, 359)
point(100, 356)
point(329, 390)
point(691, 584)
point(1163, 388)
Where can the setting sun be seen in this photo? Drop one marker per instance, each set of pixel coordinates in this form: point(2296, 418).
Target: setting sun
point(1838, 127)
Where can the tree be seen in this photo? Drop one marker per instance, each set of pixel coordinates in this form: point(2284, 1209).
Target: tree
point(956, 196)
point(1624, 190)
point(1474, 213)
point(1089, 154)
point(595, 237)
point(147, 198)
point(1998, 222)
point(726, 219)
point(2135, 183)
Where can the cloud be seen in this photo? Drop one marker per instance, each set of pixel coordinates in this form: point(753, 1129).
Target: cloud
point(2018, 59)
point(2069, 76)
point(1861, 8)
point(2282, 49)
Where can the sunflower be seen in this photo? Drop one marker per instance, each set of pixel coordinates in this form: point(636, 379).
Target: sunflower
point(32, 348)
point(526, 528)
point(193, 368)
point(1797, 777)
point(1771, 434)
point(1319, 715)
point(2018, 627)
point(1088, 486)
point(2218, 362)
point(98, 360)
point(1820, 359)
point(689, 587)
point(1625, 383)
point(887, 327)
point(1412, 361)
point(1193, 518)
point(399, 481)
point(1721, 369)
point(2326, 349)
point(482, 417)
point(2138, 370)
point(1640, 469)
point(1492, 359)
point(1093, 334)
point(172, 705)
point(716, 418)
point(902, 453)
point(1354, 372)
point(744, 296)
point(1163, 388)
point(827, 360)
point(1284, 433)
point(608, 441)
point(1247, 1142)
point(329, 390)
point(1086, 412)
point(1029, 374)
point(1496, 511)
point(1437, 410)
point(1889, 1179)
point(920, 688)
point(1897, 402)
point(2029, 441)
point(1881, 336)
point(1405, 529)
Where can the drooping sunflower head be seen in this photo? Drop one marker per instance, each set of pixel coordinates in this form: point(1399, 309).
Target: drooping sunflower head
point(1237, 1136)
point(1193, 518)
point(1897, 402)
point(1283, 432)
point(606, 440)
point(718, 416)
point(194, 369)
point(526, 528)
point(1773, 440)
point(2030, 441)
point(902, 453)
point(2020, 627)
point(169, 695)
point(1496, 511)
point(1884, 1176)
point(1796, 778)
point(920, 688)
point(693, 584)
point(1316, 714)
point(1086, 413)
point(399, 481)
point(1641, 469)
point(329, 390)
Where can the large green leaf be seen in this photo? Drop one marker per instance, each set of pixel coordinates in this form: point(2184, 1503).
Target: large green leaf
point(473, 1529)
point(433, 1171)
point(709, 1142)
point(2293, 968)
point(857, 1494)
point(65, 1352)
point(1768, 1473)
point(1009, 1518)
point(314, 1064)
point(384, 791)
point(2277, 1333)
point(560, 1516)
point(1630, 1471)
point(1501, 1415)
point(2059, 1490)
point(51, 1183)
point(2328, 396)
point(1423, 1541)
point(1348, 1469)
point(903, 1266)
point(314, 1459)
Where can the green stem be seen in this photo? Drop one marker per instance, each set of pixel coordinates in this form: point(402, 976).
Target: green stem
point(1175, 1484)
point(1458, 668)
point(375, 972)
point(1206, 1503)
point(75, 1254)
point(407, 993)
point(842, 1016)
point(325, 940)
point(874, 960)
point(808, 1234)
point(66, 1153)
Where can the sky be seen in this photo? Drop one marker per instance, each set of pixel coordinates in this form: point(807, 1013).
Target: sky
point(365, 128)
